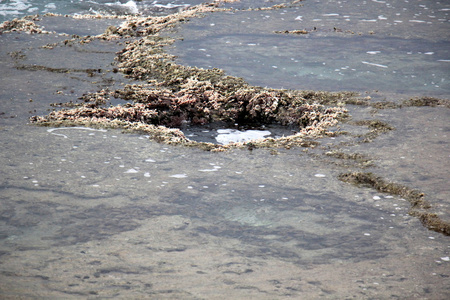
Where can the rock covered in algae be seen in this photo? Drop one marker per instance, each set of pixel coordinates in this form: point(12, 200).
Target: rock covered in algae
point(419, 206)
point(173, 95)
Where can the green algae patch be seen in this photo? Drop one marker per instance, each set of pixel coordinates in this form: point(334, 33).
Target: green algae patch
point(419, 205)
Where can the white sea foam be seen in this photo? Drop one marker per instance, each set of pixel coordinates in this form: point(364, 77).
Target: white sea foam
point(375, 65)
point(130, 6)
point(226, 136)
point(178, 176)
point(51, 130)
point(170, 5)
point(216, 168)
point(50, 6)
point(13, 8)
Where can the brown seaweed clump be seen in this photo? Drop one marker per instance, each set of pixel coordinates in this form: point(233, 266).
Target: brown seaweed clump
point(419, 206)
point(427, 101)
point(376, 128)
point(295, 31)
point(176, 95)
point(358, 159)
point(25, 24)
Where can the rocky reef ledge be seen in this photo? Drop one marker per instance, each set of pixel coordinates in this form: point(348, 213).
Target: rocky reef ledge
point(172, 95)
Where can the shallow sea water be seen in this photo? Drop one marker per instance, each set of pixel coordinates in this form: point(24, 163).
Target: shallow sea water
point(91, 213)
point(394, 46)
point(10, 9)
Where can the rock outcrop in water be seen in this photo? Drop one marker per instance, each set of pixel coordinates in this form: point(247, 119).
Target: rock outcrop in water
point(173, 95)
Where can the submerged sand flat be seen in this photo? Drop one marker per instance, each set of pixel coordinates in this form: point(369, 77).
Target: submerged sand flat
point(90, 212)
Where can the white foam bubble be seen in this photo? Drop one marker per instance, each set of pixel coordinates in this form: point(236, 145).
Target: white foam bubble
point(169, 5)
point(209, 170)
point(130, 6)
point(50, 5)
point(226, 136)
point(373, 64)
point(178, 176)
point(51, 130)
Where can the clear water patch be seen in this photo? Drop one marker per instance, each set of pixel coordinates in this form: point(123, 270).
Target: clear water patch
point(339, 50)
point(364, 63)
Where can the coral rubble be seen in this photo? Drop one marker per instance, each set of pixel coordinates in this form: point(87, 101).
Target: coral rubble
point(173, 95)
